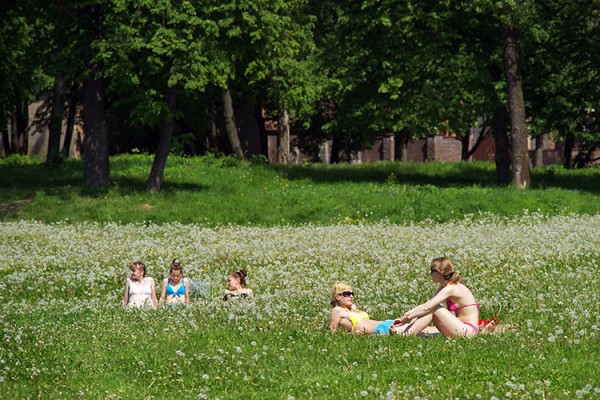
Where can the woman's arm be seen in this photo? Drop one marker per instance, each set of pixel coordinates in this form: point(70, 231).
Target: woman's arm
point(126, 293)
point(163, 290)
point(334, 319)
point(337, 318)
point(186, 296)
point(429, 306)
point(153, 294)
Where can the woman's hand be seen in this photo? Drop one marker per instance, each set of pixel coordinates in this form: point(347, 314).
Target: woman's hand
point(403, 319)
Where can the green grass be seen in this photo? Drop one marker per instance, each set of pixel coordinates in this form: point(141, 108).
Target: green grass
point(213, 191)
point(91, 355)
point(64, 335)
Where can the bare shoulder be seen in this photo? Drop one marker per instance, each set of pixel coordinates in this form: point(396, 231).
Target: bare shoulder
point(338, 311)
point(448, 290)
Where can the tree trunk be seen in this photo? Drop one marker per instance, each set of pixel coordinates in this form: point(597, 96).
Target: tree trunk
point(213, 139)
point(335, 149)
point(230, 127)
point(516, 104)
point(20, 141)
point(56, 121)
point(568, 150)
point(6, 141)
point(72, 112)
point(263, 135)
point(502, 155)
point(164, 143)
point(539, 151)
point(214, 134)
point(95, 141)
point(402, 140)
point(465, 141)
point(283, 133)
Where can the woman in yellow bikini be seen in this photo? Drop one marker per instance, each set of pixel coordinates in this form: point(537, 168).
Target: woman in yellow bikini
point(345, 314)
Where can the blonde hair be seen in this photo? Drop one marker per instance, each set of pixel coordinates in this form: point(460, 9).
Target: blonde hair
point(446, 269)
point(338, 288)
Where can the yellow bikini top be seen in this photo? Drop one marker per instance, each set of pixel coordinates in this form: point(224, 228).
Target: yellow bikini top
point(357, 316)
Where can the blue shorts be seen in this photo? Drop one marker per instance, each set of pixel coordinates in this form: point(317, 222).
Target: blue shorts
point(383, 328)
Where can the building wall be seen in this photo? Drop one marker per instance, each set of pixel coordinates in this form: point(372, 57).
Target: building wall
point(38, 141)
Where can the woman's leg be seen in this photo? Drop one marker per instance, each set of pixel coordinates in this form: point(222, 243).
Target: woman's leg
point(419, 324)
point(422, 323)
point(450, 326)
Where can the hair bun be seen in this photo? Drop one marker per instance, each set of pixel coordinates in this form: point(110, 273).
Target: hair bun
point(243, 273)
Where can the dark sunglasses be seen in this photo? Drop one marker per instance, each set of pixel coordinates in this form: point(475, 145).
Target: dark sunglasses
point(347, 293)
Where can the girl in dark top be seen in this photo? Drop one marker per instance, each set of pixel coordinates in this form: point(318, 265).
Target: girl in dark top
point(236, 285)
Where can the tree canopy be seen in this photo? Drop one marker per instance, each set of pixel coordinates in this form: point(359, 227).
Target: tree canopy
point(347, 70)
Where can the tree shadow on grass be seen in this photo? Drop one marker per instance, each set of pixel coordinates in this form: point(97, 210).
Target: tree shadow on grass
point(66, 180)
point(127, 185)
point(447, 175)
point(582, 180)
point(442, 175)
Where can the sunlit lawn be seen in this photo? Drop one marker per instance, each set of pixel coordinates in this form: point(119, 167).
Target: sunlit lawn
point(64, 335)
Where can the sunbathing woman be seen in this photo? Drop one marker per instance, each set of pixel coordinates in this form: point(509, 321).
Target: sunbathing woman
point(459, 319)
point(346, 315)
point(236, 286)
point(140, 291)
point(175, 289)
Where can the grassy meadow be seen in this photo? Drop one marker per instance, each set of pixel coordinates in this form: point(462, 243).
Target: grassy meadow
point(531, 258)
point(219, 191)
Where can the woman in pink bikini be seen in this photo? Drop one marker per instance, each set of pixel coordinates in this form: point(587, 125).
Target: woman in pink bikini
point(459, 319)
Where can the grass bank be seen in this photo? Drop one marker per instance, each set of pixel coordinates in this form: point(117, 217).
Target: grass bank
point(216, 191)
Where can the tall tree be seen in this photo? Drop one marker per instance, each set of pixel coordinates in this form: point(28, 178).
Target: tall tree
point(23, 47)
point(516, 103)
point(285, 63)
point(159, 51)
point(56, 121)
point(95, 144)
point(563, 69)
point(231, 129)
point(164, 143)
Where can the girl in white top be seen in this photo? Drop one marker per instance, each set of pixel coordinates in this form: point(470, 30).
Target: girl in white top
point(140, 290)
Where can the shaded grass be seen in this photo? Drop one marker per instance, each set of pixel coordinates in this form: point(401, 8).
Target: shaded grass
point(215, 191)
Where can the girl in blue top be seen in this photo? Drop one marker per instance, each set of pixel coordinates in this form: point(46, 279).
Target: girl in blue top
point(175, 289)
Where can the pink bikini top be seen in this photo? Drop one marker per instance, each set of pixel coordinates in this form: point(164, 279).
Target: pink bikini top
point(453, 307)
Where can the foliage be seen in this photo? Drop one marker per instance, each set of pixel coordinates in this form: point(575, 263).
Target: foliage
point(562, 70)
point(23, 42)
point(347, 70)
